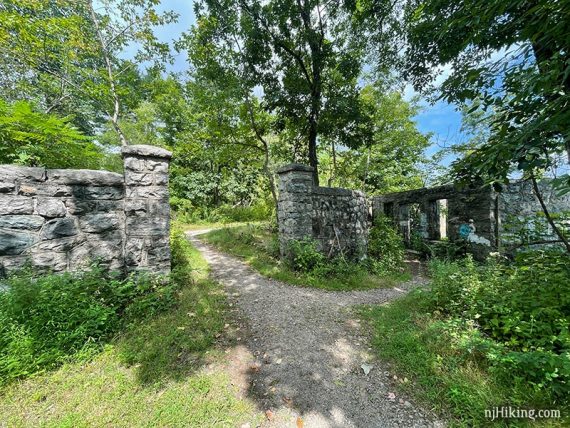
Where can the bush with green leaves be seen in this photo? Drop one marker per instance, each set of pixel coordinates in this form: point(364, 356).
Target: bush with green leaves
point(385, 246)
point(304, 255)
point(29, 137)
point(186, 212)
point(47, 319)
point(521, 308)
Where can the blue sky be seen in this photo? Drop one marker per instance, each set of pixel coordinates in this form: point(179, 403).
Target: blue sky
point(441, 119)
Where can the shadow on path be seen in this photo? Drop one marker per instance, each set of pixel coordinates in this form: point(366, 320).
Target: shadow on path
point(306, 352)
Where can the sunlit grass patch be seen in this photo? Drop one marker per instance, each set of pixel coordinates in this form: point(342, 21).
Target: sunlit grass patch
point(258, 246)
point(164, 371)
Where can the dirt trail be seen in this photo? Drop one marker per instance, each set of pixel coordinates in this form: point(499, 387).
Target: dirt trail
point(307, 350)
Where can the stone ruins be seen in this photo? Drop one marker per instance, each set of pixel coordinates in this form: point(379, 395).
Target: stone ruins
point(338, 220)
point(61, 220)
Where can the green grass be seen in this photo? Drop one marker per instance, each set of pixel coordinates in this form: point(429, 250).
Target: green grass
point(163, 372)
point(258, 246)
point(458, 386)
point(216, 225)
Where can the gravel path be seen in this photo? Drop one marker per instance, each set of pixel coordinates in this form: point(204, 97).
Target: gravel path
point(307, 352)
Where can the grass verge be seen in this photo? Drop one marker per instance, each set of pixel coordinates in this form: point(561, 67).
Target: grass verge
point(153, 374)
point(457, 385)
point(258, 246)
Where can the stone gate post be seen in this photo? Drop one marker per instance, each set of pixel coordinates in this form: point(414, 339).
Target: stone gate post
point(147, 209)
point(295, 205)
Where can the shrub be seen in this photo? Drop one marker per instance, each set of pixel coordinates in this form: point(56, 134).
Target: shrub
point(47, 319)
point(385, 246)
point(522, 306)
point(304, 255)
point(188, 213)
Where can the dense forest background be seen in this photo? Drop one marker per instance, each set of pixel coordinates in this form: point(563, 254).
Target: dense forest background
point(279, 82)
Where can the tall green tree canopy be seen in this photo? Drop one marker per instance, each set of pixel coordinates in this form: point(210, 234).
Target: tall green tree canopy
point(305, 56)
point(514, 57)
point(58, 54)
point(392, 151)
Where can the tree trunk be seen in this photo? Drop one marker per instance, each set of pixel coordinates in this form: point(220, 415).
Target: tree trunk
point(111, 77)
point(558, 232)
point(313, 160)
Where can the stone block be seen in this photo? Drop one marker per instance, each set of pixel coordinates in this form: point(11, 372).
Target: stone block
point(158, 208)
point(102, 192)
point(158, 167)
point(27, 190)
point(145, 151)
point(50, 207)
point(55, 190)
point(99, 222)
point(13, 242)
point(16, 205)
point(105, 252)
point(138, 178)
point(136, 206)
point(59, 228)
point(160, 179)
point(146, 226)
point(24, 222)
point(155, 192)
point(134, 164)
point(10, 264)
point(60, 244)
point(22, 173)
point(85, 177)
point(49, 261)
point(80, 206)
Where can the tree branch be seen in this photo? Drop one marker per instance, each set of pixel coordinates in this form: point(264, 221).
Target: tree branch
point(547, 214)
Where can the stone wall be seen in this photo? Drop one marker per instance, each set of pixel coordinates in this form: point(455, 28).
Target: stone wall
point(338, 220)
point(444, 212)
point(485, 219)
point(521, 214)
point(61, 220)
point(335, 218)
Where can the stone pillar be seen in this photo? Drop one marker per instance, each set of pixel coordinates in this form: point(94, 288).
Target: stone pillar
point(147, 209)
point(295, 205)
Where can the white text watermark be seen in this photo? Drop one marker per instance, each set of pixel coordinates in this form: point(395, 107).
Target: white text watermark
point(508, 412)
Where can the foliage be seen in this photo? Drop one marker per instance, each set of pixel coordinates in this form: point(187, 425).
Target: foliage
point(306, 63)
point(187, 213)
point(304, 255)
point(521, 307)
point(49, 319)
point(29, 137)
point(510, 56)
point(51, 53)
point(528, 230)
point(153, 371)
point(385, 245)
point(391, 151)
point(259, 246)
point(440, 362)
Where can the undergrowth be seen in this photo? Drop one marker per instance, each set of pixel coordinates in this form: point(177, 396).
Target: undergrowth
point(259, 246)
point(484, 336)
point(153, 371)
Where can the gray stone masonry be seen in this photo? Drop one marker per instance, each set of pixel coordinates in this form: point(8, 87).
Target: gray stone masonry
point(336, 219)
point(62, 220)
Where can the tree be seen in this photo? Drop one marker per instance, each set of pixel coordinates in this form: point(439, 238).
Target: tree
point(65, 55)
point(514, 57)
point(303, 54)
point(392, 152)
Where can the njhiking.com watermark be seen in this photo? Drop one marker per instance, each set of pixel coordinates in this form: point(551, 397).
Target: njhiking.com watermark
point(508, 412)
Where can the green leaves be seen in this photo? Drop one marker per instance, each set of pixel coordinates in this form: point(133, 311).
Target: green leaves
point(513, 57)
point(28, 137)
